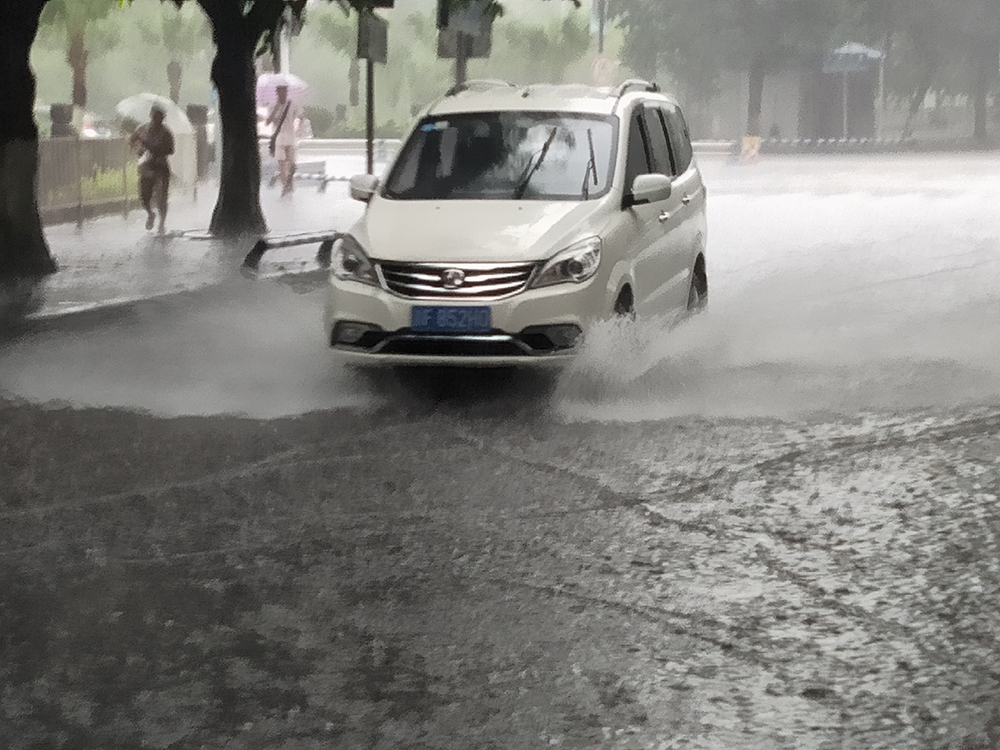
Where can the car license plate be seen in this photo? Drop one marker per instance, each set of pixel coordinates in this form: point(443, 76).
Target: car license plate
point(438, 319)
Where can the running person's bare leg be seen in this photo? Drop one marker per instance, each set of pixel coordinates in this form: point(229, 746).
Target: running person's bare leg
point(163, 193)
point(283, 173)
point(147, 186)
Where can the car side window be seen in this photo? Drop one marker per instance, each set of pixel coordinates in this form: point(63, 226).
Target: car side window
point(680, 138)
point(659, 149)
point(637, 161)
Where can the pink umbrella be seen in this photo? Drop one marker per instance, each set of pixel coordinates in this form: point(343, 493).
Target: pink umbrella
point(267, 88)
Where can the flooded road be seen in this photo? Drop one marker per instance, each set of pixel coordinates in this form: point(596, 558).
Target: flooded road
point(774, 526)
point(836, 284)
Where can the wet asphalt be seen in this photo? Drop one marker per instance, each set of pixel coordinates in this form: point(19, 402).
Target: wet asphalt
point(773, 526)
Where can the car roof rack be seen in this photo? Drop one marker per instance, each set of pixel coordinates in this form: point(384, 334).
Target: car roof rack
point(634, 84)
point(483, 84)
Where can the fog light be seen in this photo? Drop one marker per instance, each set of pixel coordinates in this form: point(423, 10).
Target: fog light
point(350, 332)
point(563, 337)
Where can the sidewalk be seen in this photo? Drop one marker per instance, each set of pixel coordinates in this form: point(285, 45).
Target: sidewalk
point(113, 260)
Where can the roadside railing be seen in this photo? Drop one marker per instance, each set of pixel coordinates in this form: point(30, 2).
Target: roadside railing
point(80, 178)
point(77, 176)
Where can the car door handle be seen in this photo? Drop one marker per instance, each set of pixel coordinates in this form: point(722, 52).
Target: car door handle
point(664, 217)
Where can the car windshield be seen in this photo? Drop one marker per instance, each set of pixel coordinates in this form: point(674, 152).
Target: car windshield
point(506, 156)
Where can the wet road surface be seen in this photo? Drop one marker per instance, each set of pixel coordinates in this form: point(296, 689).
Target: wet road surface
point(775, 526)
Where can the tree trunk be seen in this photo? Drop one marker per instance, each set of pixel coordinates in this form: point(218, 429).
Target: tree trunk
point(23, 251)
point(918, 97)
point(76, 56)
point(237, 210)
point(985, 69)
point(756, 97)
point(174, 74)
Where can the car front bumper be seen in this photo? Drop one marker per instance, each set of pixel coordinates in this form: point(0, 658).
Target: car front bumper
point(535, 327)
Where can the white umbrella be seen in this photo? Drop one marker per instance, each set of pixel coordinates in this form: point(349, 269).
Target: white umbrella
point(267, 88)
point(137, 108)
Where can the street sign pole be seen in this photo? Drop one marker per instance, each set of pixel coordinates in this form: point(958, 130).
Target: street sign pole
point(461, 58)
point(370, 116)
point(464, 33)
point(373, 34)
point(880, 130)
point(844, 131)
point(601, 11)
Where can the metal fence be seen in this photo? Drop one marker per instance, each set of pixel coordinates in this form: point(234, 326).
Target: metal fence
point(79, 178)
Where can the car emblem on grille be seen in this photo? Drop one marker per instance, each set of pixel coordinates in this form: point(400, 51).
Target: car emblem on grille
point(452, 278)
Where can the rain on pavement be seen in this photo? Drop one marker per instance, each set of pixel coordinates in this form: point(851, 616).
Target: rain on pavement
point(775, 525)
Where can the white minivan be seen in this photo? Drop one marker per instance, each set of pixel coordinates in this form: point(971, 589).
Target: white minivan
point(512, 219)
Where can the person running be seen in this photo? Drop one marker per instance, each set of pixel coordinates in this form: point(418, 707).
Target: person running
point(284, 116)
point(155, 143)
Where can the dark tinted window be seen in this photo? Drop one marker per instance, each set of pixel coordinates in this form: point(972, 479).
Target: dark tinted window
point(680, 138)
point(658, 143)
point(638, 159)
point(506, 156)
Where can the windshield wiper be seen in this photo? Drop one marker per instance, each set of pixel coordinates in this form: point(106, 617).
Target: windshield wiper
point(591, 167)
point(522, 184)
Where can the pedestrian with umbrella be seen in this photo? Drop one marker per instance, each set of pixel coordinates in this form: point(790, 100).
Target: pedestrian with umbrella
point(155, 144)
point(285, 116)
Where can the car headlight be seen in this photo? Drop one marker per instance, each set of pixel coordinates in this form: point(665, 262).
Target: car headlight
point(575, 264)
point(349, 262)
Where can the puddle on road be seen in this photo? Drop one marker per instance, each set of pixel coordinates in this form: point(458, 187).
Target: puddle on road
point(789, 347)
point(253, 349)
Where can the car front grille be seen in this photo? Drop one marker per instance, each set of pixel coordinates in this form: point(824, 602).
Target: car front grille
point(481, 280)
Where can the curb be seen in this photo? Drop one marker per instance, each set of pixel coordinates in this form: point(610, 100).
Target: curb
point(106, 311)
point(835, 146)
point(806, 146)
point(91, 313)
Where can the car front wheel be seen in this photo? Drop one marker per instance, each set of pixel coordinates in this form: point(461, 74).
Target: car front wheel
point(697, 292)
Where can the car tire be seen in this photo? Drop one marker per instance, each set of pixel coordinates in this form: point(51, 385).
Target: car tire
point(625, 304)
point(697, 293)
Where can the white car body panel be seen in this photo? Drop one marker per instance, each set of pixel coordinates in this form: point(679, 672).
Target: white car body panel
point(457, 231)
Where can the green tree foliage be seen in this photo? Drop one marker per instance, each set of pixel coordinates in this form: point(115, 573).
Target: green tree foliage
point(947, 45)
point(544, 51)
point(696, 41)
point(74, 21)
point(944, 43)
point(182, 32)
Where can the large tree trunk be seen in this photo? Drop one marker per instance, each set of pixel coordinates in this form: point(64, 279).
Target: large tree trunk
point(76, 56)
point(23, 251)
point(756, 97)
point(237, 210)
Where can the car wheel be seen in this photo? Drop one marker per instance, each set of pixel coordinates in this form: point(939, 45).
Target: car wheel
point(625, 304)
point(698, 291)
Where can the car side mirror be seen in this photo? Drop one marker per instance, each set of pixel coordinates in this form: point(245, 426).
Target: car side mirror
point(363, 187)
point(649, 188)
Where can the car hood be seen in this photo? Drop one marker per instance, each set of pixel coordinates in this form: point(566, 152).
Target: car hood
point(473, 231)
